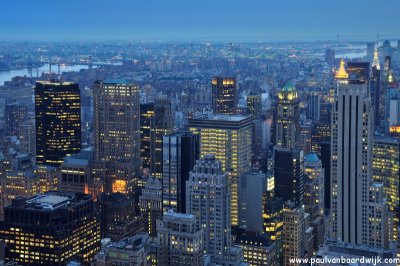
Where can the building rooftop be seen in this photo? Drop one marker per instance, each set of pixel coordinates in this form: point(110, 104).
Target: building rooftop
point(222, 117)
point(311, 157)
point(116, 81)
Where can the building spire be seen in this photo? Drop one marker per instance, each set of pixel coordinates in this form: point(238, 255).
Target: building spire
point(341, 73)
point(376, 60)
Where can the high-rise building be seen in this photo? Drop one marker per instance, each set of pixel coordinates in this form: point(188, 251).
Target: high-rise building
point(229, 138)
point(330, 57)
point(386, 169)
point(146, 116)
point(58, 121)
point(180, 152)
point(208, 200)
point(289, 175)
point(118, 218)
point(150, 203)
point(27, 135)
point(51, 229)
point(370, 51)
point(252, 187)
point(314, 107)
point(351, 164)
point(49, 177)
point(254, 105)
point(296, 234)
point(15, 116)
point(359, 71)
point(117, 134)
point(180, 241)
point(161, 124)
point(375, 89)
point(272, 215)
point(137, 250)
point(314, 197)
point(287, 128)
point(258, 249)
point(224, 95)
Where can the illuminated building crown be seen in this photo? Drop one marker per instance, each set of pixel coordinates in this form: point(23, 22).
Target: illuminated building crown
point(341, 73)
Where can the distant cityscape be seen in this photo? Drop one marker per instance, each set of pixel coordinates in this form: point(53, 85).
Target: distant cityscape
point(201, 154)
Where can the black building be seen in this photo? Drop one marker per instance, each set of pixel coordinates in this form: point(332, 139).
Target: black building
point(224, 95)
point(289, 175)
point(58, 121)
point(51, 229)
point(326, 164)
point(359, 71)
point(180, 152)
point(146, 116)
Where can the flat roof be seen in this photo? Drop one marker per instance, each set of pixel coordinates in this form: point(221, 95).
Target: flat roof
point(222, 117)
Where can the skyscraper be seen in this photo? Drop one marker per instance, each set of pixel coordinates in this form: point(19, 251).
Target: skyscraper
point(150, 203)
point(289, 175)
point(117, 134)
point(160, 125)
point(314, 107)
point(254, 105)
point(58, 121)
point(208, 199)
point(287, 118)
point(229, 138)
point(51, 229)
point(146, 116)
point(180, 240)
point(351, 165)
point(15, 117)
point(224, 95)
point(375, 89)
point(180, 152)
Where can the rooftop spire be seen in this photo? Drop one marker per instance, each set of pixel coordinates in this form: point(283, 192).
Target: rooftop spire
point(376, 60)
point(341, 73)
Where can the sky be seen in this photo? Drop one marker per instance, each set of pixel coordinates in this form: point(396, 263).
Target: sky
point(191, 20)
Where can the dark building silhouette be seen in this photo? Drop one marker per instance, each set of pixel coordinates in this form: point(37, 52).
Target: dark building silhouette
point(58, 121)
point(15, 117)
point(359, 71)
point(289, 175)
point(51, 229)
point(180, 152)
point(146, 116)
point(224, 95)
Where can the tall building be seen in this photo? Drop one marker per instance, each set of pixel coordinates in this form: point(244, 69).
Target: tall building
point(229, 138)
point(208, 200)
point(330, 57)
point(287, 118)
point(51, 229)
point(272, 215)
point(314, 107)
point(224, 95)
point(15, 116)
point(58, 121)
point(118, 218)
point(386, 169)
point(375, 89)
point(314, 197)
point(137, 250)
point(162, 124)
point(289, 175)
point(180, 241)
point(351, 164)
point(359, 70)
point(180, 152)
point(370, 51)
point(254, 105)
point(117, 134)
point(295, 234)
point(49, 177)
point(146, 116)
point(150, 203)
point(258, 249)
point(252, 187)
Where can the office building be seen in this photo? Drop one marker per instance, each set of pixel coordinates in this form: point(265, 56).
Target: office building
point(359, 71)
point(272, 215)
point(375, 90)
point(224, 95)
point(208, 200)
point(252, 187)
point(137, 250)
point(51, 229)
point(289, 175)
point(287, 126)
point(146, 116)
point(48, 176)
point(330, 57)
point(229, 137)
point(15, 116)
point(161, 124)
point(386, 169)
point(351, 165)
point(254, 105)
point(118, 216)
point(117, 134)
point(150, 203)
point(180, 152)
point(314, 107)
point(180, 241)
point(258, 249)
point(58, 121)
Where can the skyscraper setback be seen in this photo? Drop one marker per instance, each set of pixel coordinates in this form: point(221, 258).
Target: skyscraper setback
point(117, 134)
point(58, 121)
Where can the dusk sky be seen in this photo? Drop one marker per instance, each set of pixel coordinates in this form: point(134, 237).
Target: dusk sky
point(183, 20)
